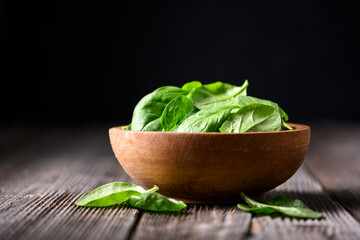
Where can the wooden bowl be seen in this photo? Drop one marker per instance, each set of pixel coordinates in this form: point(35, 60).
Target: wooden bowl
point(211, 167)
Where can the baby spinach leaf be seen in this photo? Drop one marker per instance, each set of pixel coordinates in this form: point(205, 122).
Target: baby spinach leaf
point(217, 94)
point(191, 85)
point(245, 100)
point(175, 111)
point(282, 204)
point(155, 202)
point(148, 111)
point(208, 120)
point(254, 117)
point(110, 194)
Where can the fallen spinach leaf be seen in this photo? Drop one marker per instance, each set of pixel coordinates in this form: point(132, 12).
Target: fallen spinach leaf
point(254, 117)
point(147, 113)
point(217, 94)
point(282, 204)
point(155, 202)
point(208, 120)
point(110, 194)
point(175, 112)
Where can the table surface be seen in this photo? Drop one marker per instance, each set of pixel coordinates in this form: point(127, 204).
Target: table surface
point(43, 170)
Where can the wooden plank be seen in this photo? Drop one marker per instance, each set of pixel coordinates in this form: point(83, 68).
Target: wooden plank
point(336, 224)
point(196, 222)
point(334, 159)
point(49, 175)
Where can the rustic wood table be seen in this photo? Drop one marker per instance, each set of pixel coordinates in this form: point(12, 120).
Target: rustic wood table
point(43, 170)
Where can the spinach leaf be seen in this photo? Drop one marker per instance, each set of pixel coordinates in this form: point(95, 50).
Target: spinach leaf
point(254, 117)
point(148, 111)
point(217, 94)
point(245, 100)
point(155, 202)
point(285, 117)
point(191, 85)
point(175, 111)
point(208, 120)
point(110, 194)
point(282, 204)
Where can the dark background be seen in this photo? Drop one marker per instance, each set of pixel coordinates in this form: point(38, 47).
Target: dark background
point(84, 62)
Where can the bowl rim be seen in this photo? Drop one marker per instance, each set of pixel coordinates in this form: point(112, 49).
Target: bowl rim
point(298, 127)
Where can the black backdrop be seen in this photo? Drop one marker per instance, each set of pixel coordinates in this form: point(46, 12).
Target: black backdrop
point(69, 61)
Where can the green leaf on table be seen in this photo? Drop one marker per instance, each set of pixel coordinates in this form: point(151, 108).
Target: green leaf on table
point(281, 204)
point(110, 194)
point(208, 120)
point(175, 112)
point(217, 94)
point(147, 113)
point(155, 202)
point(254, 117)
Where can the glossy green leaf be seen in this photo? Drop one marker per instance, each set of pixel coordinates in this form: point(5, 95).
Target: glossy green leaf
point(208, 120)
point(254, 117)
point(217, 94)
point(175, 112)
point(191, 85)
point(148, 111)
point(282, 204)
point(110, 194)
point(285, 117)
point(155, 202)
point(245, 100)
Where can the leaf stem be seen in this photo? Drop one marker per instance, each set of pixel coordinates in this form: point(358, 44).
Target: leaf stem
point(151, 190)
point(286, 125)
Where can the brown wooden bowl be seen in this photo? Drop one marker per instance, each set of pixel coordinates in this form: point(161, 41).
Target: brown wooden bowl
point(211, 167)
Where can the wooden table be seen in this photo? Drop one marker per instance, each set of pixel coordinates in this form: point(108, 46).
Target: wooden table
point(43, 170)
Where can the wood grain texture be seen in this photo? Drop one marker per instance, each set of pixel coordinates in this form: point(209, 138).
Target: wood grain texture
point(44, 170)
point(53, 170)
point(334, 159)
point(196, 222)
point(337, 223)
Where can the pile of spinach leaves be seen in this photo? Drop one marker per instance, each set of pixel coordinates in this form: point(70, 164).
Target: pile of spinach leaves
point(214, 107)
